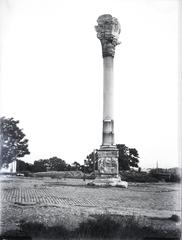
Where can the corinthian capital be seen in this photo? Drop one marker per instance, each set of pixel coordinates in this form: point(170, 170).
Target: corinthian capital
point(108, 30)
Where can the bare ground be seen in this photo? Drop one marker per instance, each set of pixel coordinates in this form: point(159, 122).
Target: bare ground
point(69, 202)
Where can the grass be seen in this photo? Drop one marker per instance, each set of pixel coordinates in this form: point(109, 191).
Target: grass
point(103, 226)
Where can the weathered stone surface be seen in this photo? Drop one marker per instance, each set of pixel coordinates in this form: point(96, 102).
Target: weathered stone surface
point(108, 162)
point(108, 31)
point(109, 182)
point(108, 152)
point(108, 165)
point(108, 169)
point(108, 128)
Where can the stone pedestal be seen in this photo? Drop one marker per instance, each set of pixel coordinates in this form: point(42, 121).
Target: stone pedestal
point(108, 31)
point(108, 168)
point(107, 162)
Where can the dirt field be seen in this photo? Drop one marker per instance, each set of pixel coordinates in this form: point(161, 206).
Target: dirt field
point(70, 201)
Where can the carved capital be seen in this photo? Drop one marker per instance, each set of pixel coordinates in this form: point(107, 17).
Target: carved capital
point(108, 30)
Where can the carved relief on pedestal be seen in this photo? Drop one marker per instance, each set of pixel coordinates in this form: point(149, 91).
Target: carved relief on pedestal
point(108, 162)
point(108, 166)
point(108, 31)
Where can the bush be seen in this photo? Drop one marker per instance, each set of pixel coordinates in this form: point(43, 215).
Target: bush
point(175, 218)
point(103, 226)
point(92, 175)
point(60, 174)
point(133, 176)
point(167, 175)
point(39, 230)
point(123, 227)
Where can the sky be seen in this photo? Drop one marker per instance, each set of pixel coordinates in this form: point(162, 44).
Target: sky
point(52, 77)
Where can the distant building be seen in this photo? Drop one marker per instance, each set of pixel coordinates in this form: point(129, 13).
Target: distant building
point(10, 169)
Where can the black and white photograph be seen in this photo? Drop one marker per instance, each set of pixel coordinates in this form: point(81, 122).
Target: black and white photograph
point(90, 119)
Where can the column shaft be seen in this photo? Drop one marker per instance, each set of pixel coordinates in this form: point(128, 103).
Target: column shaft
point(108, 88)
point(108, 122)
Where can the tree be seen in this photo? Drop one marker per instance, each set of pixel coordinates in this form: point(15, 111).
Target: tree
point(13, 142)
point(68, 167)
point(91, 162)
point(76, 166)
point(134, 157)
point(56, 164)
point(51, 164)
point(128, 157)
point(40, 166)
point(24, 167)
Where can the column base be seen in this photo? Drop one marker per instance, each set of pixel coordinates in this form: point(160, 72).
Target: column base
point(108, 181)
point(108, 173)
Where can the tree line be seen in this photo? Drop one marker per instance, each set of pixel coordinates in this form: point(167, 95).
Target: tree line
point(45, 165)
point(14, 145)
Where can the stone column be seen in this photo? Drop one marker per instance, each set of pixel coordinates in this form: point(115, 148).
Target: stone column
point(108, 118)
point(108, 30)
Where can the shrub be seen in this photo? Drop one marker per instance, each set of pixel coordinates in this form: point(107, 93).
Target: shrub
point(38, 229)
point(103, 226)
point(168, 175)
point(133, 176)
point(175, 218)
point(60, 174)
